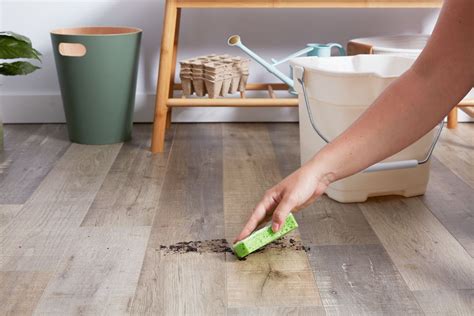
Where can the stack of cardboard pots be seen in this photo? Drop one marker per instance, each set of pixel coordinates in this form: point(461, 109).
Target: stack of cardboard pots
point(214, 75)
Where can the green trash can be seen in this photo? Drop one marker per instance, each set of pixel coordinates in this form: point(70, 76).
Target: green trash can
point(97, 70)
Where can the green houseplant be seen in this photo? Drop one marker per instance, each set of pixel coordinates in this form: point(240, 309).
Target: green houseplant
point(15, 52)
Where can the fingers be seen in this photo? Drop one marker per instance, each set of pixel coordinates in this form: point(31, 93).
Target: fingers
point(259, 214)
point(281, 212)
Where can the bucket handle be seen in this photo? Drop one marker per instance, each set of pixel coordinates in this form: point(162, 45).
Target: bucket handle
point(382, 166)
point(72, 49)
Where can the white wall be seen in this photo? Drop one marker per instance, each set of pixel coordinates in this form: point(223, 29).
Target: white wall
point(272, 33)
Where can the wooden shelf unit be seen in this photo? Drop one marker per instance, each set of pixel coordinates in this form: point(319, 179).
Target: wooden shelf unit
point(169, 47)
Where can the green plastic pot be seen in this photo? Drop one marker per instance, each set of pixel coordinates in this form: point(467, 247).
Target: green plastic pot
point(97, 70)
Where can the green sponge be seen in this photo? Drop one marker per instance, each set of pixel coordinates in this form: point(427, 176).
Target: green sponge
point(263, 237)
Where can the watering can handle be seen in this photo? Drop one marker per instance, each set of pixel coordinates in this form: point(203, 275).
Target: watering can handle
point(294, 55)
point(342, 51)
point(382, 166)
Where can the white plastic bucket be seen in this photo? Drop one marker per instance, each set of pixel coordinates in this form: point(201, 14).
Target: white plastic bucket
point(405, 45)
point(339, 90)
point(408, 45)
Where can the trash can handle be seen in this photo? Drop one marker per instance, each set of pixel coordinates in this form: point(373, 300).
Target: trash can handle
point(72, 49)
point(382, 166)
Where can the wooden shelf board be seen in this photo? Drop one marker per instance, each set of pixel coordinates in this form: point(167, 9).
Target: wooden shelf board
point(232, 102)
point(251, 86)
point(309, 3)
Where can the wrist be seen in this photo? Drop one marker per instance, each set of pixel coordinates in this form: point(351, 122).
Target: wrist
point(321, 167)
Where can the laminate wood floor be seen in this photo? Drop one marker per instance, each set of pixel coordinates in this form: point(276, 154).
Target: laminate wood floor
point(115, 230)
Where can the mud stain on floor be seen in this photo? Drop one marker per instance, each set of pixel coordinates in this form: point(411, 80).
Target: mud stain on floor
point(222, 246)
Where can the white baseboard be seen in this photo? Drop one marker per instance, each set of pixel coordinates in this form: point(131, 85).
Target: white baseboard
point(49, 109)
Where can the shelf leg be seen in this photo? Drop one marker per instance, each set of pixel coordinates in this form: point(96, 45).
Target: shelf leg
point(453, 118)
point(164, 77)
point(173, 70)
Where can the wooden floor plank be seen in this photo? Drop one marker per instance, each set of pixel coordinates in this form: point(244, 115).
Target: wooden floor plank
point(274, 277)
point(37, 237)
point(7, 213)
point(451, 200)
point(327, 222)
point(425, 253)
point(14, 136)
point(21, 291)
point(285, 138)
point(446, 302)
point(361, 280)
point(465, 131)
point(457, 154)
point(355, 274)
point(277, 311)
point(190, 209)
point(131, 190)
point(31, 161)
point(98, 274)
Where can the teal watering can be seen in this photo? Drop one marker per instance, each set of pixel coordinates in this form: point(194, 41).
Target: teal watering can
point(319, 50)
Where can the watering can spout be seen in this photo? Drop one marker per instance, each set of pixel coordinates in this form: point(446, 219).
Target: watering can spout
point(235, 40)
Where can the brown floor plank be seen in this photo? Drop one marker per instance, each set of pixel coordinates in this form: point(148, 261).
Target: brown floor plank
point(37, 237)
point(131, 190)
point(355, 274)
point(285, 139)
point(190, 208)
point(327, 222)
point(98, 274)
point(446, 302)
point(30, 160)
point(451, 200)
point(273, 277)
point(425, 253)
point(456, 152)
point(21, 291)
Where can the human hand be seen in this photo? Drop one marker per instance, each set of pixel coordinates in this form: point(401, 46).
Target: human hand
point(295, 192)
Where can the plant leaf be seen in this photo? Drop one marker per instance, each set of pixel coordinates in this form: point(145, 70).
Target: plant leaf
point(17, 36)
point(11, 47)
point(17, 68)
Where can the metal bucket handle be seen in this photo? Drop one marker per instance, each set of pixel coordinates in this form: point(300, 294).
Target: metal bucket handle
point(382, 166)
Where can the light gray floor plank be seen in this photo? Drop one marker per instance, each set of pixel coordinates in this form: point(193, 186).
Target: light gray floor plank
point(273, 277)
point(14, 137)
point(30, 161)
point(21, 291)
point(446, 302)
point(277, 311)
point(7, 213)
point(190, 209)
point(456, 152)
point(37, 237)
point(451, 200)
point(131, 190)
point(361, 280)
point(355, 274)
point(425, 253)
point(98, 274)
